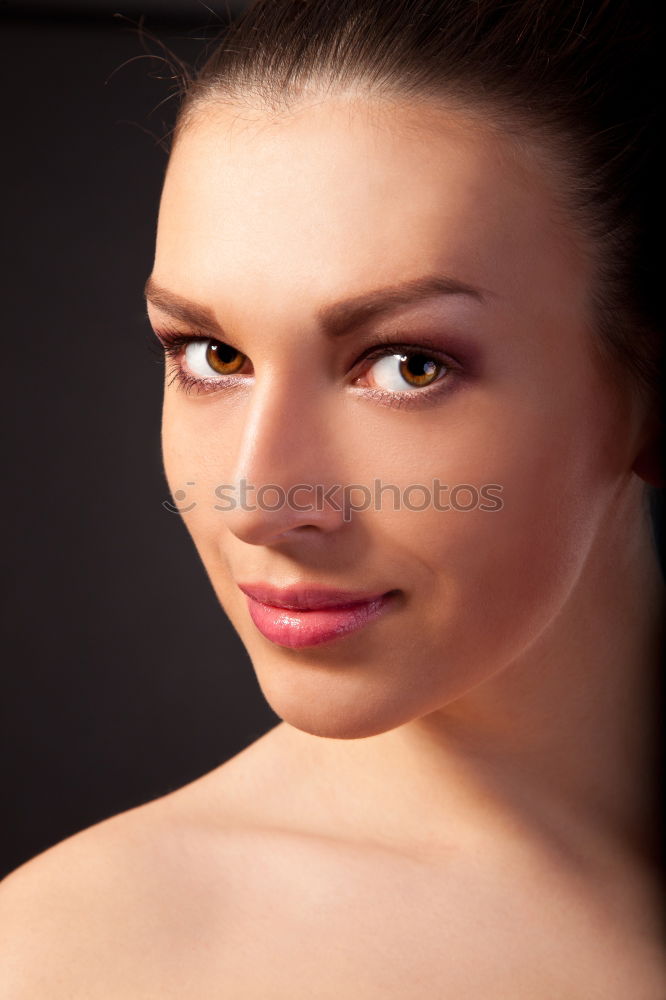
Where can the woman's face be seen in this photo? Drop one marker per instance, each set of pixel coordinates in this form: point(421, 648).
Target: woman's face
point(267, 225)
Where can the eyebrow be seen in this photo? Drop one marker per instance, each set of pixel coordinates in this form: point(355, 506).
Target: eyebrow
point(335, 320)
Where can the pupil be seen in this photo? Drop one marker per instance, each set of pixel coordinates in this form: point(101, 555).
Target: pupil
point(223, 358)
point(421, 366)
point(223, 352)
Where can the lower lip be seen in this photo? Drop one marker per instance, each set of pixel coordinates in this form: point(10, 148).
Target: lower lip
point(296, 628)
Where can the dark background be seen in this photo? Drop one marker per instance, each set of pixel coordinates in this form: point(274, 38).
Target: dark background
point(122, 677)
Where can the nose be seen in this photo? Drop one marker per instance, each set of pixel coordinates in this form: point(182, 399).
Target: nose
point(284, 486)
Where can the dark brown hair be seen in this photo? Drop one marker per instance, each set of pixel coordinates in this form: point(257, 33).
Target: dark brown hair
point(579, 75)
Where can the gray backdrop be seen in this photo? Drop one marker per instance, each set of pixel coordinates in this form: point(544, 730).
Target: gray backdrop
point(122, 678)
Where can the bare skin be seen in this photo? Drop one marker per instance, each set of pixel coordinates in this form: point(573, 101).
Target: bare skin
point(458, 802)
point(251, 883)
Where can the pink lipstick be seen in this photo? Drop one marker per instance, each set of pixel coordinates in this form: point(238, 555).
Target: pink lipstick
point(297, 617)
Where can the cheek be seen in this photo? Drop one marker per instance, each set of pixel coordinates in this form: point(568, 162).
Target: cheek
point(193, 464)
point(180, 456)
point(490, 581)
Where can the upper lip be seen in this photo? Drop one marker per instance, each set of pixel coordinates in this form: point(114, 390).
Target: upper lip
point(307, 597)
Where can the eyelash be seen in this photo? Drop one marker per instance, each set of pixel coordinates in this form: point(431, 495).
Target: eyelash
point(172, 344)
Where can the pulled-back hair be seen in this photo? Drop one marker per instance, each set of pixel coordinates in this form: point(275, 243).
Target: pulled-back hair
point(579, 76)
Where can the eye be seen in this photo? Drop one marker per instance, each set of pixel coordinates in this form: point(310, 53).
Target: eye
point(406, 370)
point(205, 356)
point(395, 370)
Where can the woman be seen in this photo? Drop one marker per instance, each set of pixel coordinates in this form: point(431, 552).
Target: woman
point(405, 284)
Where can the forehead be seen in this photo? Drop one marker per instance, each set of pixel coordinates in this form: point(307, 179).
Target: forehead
point(346, 192)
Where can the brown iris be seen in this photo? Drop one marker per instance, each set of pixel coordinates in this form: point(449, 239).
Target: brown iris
point(223, 359)
point(419, 369)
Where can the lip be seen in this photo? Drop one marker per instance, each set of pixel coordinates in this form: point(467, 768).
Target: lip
point(302, 616)
point(307, 597)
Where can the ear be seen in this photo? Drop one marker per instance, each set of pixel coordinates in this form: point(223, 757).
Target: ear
point(650, 462)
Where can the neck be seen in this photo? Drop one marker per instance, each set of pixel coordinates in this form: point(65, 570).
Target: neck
point(561, 742)
point(571, 728)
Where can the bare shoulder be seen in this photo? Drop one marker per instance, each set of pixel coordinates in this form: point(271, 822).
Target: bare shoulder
point(56, 909)
point(212, 890)
point(99, 913)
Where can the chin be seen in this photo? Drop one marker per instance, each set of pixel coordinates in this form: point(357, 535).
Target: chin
point(353, 726)
point(333, 703)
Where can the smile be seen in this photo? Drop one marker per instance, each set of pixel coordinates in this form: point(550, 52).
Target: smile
point(301, 617)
